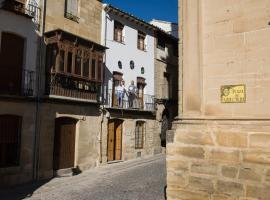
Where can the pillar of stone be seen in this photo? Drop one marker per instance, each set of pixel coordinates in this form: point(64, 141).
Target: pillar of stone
point(221, 145)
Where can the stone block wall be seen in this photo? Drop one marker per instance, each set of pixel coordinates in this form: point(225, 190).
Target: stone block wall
point(219, 160)
point(89, 24)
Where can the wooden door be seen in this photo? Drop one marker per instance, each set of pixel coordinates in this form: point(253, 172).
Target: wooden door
point(64, 143)
point(118, 140)
point(115, 140)
point(11, 62)
point(111, 141)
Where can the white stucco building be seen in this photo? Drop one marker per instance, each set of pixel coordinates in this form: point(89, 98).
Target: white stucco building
point(130, 56)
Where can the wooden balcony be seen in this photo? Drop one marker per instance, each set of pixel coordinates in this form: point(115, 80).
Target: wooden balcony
point(65, 86)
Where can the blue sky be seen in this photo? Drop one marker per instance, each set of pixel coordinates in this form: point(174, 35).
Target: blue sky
point(148, 9)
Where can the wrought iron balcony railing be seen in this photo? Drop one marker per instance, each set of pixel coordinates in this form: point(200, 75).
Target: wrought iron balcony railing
point(144, 102)
point(63, 85)
point(16, 83)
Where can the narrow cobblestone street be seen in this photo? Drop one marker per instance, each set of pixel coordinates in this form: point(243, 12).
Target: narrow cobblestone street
point(143, 179)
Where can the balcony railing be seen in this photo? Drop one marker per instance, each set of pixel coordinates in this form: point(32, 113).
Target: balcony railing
point(145, 103)
point(63, 85)
point(17, 84)
point(30, 9)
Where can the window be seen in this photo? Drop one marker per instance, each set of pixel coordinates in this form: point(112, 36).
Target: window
point(71, 11)
point(141, 41)
point(118, 32)
point(10, 127)
point(161, 43)
point(78, 63)
point(139, 135)
point(93, 72)
point(132, 64)
point(100, 66)
point(86, 67)
point(69, 62)
point(62, 61)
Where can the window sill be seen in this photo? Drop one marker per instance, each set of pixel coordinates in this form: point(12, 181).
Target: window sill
point(72, 17)
point(120, 42)
point(144, 50)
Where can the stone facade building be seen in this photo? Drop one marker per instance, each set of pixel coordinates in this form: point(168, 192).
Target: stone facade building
point(18, 54)
point(166, 79)
point(71, 80)
point(221, 143)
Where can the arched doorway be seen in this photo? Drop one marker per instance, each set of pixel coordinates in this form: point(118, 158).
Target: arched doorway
point(64, 143)
point(114, 140)
point(11, 63)
point(165, 125)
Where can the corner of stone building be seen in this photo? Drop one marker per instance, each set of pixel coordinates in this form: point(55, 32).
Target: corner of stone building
point(219, 161)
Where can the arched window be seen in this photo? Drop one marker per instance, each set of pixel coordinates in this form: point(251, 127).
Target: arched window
point(10, 136)
point(139, 134)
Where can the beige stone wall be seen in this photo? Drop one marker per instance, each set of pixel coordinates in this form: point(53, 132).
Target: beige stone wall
point(22, 173)
point(221, 151)
point(219, 160)
point(87, 135)
point(89, 25)
point(152, 143)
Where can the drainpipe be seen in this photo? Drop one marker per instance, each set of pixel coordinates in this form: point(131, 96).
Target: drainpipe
point(36, 146)
point(103, 92)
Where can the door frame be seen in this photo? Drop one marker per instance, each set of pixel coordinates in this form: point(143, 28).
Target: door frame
point(121, 122)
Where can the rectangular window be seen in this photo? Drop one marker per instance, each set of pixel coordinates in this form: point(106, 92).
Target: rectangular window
point(118, 32)
point(69, 62)
point(100, 66)
point(86, 67)
point(10, 130)
point(62, 61)
point(141, 41)
point(161, 43)
point(78, 63)
point(93, 72)
point(71, 11)
point(139, 135)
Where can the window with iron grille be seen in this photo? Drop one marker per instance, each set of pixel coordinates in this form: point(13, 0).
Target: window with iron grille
point(71, 11)
point(139, 134)
point(10, 135)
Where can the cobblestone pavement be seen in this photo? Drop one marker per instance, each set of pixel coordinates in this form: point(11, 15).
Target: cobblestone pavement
point(142, 179)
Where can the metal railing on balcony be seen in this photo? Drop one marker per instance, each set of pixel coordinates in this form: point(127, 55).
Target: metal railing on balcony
point(112, 99)
point(29, 82)
point(31, 9)
point(63, 85)
point(16, 82)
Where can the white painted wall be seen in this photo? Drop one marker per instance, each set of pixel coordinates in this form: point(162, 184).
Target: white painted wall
point(127, 52)
point(24, 27)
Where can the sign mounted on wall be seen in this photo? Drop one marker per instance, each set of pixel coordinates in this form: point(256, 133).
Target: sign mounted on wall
point(233, 93)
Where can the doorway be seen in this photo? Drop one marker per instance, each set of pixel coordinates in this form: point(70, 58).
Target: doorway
point(115, 139)
point(64, 143)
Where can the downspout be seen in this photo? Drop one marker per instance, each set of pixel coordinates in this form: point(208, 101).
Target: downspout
point(36, 146)
point(103, 92)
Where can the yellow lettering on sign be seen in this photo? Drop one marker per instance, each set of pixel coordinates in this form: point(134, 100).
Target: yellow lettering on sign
point(233, 94)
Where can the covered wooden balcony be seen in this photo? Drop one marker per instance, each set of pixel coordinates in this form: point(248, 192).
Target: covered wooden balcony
point(74, 67)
